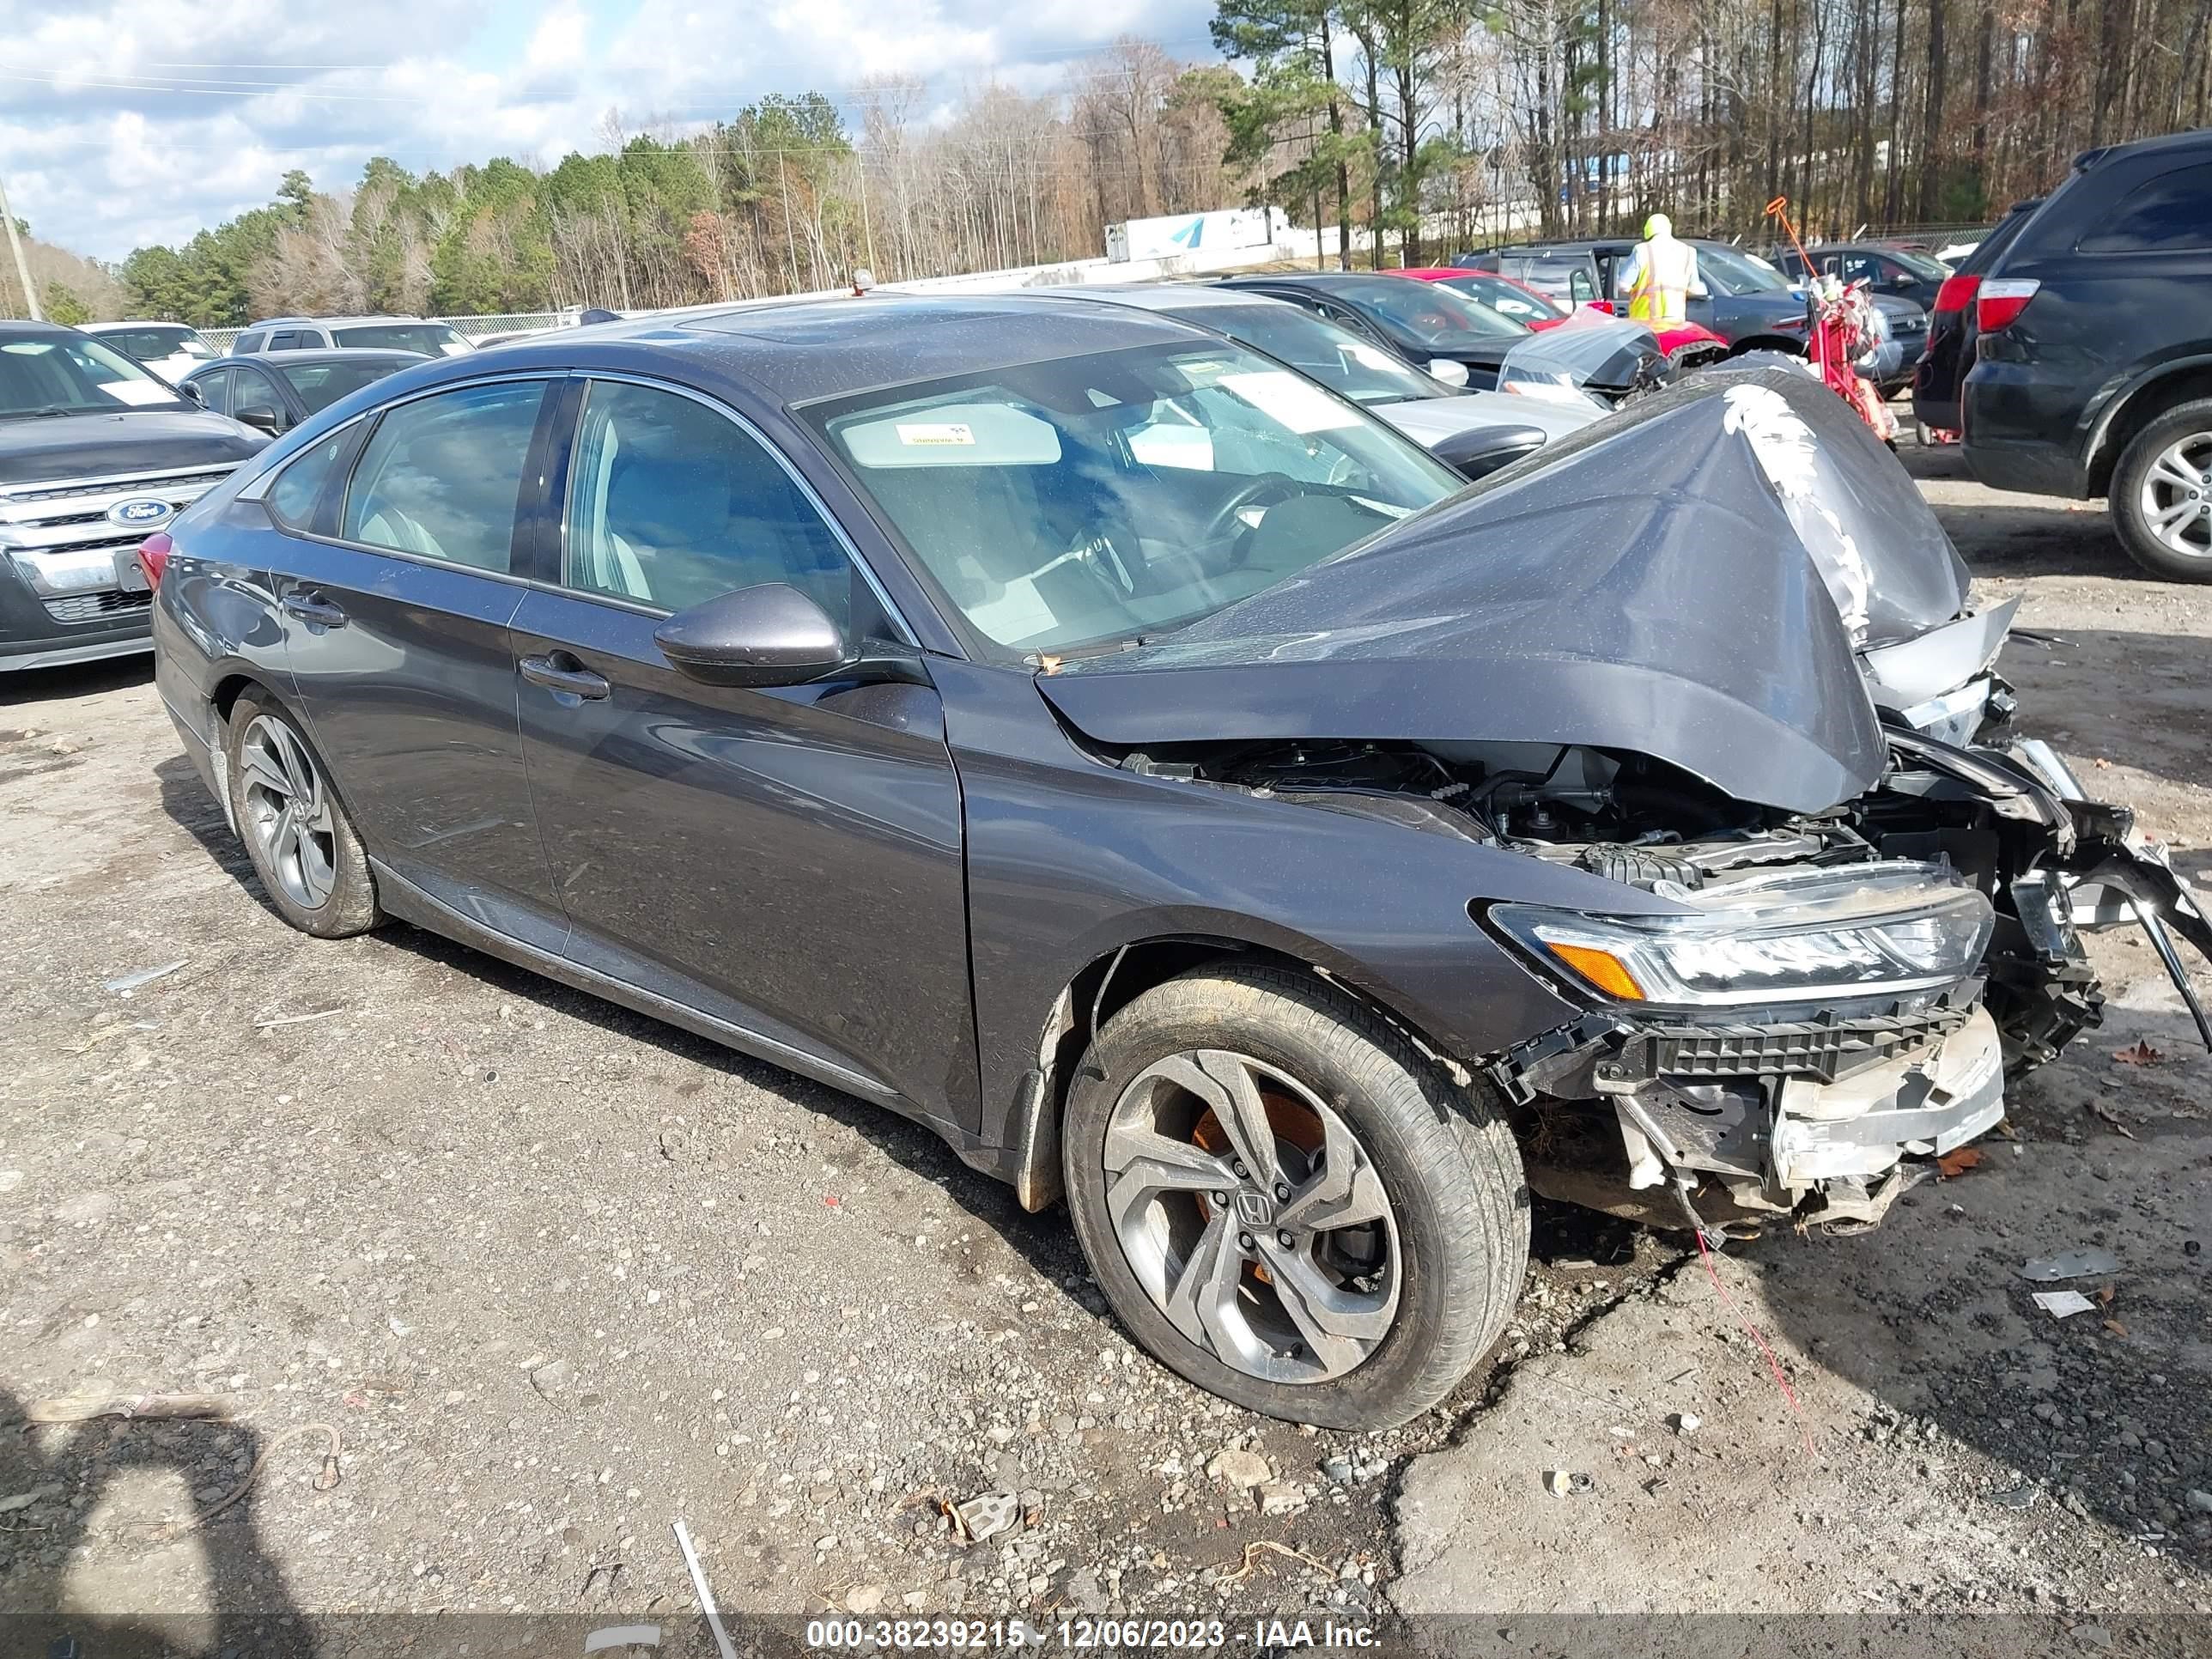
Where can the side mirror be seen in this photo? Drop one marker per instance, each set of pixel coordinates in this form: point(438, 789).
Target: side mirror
point(260, 417)
point(190, 391)
point(1444, 369)
point(772, 635)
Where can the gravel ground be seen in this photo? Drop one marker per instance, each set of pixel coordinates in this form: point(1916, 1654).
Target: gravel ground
point(551, 1274)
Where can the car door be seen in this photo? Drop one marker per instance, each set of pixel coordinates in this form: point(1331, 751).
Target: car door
point(254, 392)
point(785, 860)
point(396, 608)
point(214, 387)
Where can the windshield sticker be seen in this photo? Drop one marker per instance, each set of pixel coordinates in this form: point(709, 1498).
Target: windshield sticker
point(940, 432)
point(1293, 400)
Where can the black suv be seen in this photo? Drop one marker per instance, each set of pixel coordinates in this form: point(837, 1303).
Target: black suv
point(2093, 350)
point(1940, 373)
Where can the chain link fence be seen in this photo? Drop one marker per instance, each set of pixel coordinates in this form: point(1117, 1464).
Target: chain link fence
point(469, 328)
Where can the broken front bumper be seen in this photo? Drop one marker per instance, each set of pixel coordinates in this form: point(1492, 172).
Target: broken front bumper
point(1816, 1115)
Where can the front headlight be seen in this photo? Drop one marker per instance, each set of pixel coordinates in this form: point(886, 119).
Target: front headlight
point(1790, 936)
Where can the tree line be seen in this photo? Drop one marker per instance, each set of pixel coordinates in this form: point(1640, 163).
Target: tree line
point(1402, 124)
point(1578, 117)
point(784, 196)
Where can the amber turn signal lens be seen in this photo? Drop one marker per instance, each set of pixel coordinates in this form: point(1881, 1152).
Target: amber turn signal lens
point(1600, 968)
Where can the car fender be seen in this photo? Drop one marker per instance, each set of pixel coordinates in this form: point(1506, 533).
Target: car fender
point(2107, 409)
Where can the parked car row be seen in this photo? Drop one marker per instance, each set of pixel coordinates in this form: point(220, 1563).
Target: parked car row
point(1054, 719)
point(1747, 302)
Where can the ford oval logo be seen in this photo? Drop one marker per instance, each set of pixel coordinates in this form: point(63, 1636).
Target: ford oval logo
point(139, 512)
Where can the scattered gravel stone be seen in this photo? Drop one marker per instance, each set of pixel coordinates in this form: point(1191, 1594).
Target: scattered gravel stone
point(1236, 1466)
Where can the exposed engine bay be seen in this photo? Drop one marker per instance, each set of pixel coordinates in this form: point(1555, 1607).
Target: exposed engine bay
point(1844, 994)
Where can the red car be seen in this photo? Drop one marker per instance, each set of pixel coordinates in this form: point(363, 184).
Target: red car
point(1686, 345)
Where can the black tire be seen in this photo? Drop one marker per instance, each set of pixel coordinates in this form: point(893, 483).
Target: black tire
point(1446, 1160)
point(2130, 478)
point(350, 905)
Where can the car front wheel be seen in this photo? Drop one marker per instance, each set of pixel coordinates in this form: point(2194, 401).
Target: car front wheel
point(1287, 1203)
point(296, 832)
point(2161, 495)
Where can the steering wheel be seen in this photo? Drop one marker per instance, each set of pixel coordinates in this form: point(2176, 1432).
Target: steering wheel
point(1262, 493)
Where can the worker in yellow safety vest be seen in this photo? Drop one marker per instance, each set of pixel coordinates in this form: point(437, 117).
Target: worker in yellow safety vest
point(1661, 276)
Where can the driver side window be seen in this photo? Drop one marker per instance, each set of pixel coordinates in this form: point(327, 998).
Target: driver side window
point(672, 503)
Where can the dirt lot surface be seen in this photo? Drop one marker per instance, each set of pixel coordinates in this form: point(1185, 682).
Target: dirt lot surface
point(547, 1275)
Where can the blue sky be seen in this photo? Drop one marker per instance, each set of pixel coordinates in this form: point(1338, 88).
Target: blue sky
point(128, 122)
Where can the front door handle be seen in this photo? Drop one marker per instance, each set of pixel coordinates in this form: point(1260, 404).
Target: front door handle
point(562, 672)
point(311, 609)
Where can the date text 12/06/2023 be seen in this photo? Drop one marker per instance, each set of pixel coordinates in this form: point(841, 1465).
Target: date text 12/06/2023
point(1085, 1635)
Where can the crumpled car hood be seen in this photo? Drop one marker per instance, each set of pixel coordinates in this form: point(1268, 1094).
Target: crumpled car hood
point(1688, 580)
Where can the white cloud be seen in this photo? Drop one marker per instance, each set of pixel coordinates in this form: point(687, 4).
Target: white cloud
point(128, 122)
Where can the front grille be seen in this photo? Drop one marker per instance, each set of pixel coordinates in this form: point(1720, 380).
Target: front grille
point(69, 517)
point(1823, 1049)
point(98, 607)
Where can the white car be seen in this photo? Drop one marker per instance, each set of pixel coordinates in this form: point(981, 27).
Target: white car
point(172, 350)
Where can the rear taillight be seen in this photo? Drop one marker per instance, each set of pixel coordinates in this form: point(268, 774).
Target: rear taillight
point(154, 557)
point(1956, 293)
point(2002, 300)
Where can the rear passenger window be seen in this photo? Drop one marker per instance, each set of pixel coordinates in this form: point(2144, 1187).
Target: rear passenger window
point(441, 477)
point(291, 500)
point(246, 343)
point(2170, 214)
point(670, 503)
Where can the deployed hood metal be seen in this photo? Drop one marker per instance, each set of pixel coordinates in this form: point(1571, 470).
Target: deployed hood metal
point(1878, 545)
point(1592, 350)
point(1641, 585)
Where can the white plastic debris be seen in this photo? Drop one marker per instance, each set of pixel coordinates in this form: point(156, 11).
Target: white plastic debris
point(2062, 1304)
point(987, 1514)
point(128, 982)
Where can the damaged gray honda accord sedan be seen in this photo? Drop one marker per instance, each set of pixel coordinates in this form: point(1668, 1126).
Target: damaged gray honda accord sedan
point(1162, 779)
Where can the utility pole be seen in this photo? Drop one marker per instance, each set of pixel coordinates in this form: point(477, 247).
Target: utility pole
point(22, 267)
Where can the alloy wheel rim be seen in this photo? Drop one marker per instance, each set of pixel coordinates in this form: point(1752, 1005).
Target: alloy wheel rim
point(1252, 1216)
point(2176, 496)
point(288, 812)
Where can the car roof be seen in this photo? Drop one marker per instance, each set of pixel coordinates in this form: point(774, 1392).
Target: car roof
point(799, 352)
point(2197, 138)
point(20, 325)
point(133, 322)
point(392, 355)
point(337, 322)
point(1169, 298)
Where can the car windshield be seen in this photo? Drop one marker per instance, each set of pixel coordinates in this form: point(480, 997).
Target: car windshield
point(1739, 272)
point(1430, 313)
point(1928, 270)
point(145, 342)
point(431, 339)
point(1313, 346)
point(1117, 496)
point(1509, 299)
point(72, 374)
point(321, 384)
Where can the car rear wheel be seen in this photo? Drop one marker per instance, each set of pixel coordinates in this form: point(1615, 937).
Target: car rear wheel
point(2161, 495)
point(296, 832)
point(1288, 1204)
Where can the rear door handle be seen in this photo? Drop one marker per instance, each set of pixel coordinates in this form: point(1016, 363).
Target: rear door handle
point(320, 612)
point(556, 673)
